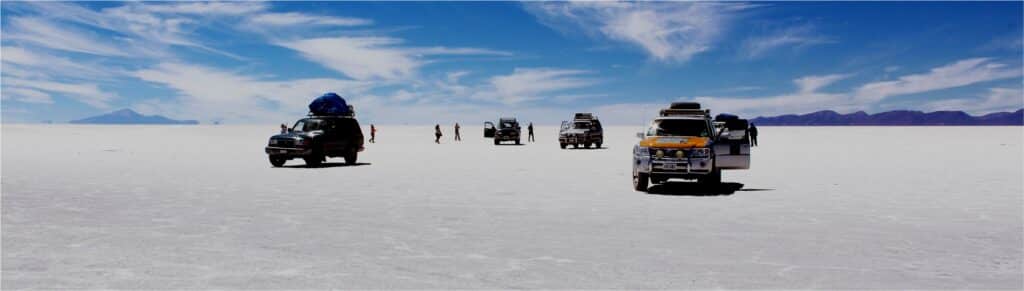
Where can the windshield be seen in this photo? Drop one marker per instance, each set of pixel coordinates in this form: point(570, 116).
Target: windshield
point(507, 124)
point(581, 125)
point(679, 127)
point(306, 125)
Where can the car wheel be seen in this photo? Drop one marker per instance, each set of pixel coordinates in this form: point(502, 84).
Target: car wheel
point(640, 181)
point(277, 161)
point(517, 141)
point(351, 158)
point(712, 179)
point(496, 142)
point(597, 145)
point(562, 145)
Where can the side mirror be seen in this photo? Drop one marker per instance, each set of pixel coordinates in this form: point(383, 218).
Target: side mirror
point(289, 130)
point(640, 135)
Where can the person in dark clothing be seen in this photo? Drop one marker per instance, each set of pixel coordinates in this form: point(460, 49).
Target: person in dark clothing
point(437, 133)
point(529, 130)
point(373, 133)
point(753, 134)
point(457, 136)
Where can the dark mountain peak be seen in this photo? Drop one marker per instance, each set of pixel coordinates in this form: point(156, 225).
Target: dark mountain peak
point(895, 117)
point(128, 116)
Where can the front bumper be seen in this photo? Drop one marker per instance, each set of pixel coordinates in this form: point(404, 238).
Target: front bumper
point(287, 152)
point(506, 137)
point(684, 166)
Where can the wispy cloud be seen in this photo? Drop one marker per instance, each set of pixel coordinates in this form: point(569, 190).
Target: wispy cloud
point(996, 99)
point(42, 32)
point(958, 74)
point(87, 93)
point(295, 18)
point(796, 37)
point(671, 32)
point(528, 84)
point(365, 58)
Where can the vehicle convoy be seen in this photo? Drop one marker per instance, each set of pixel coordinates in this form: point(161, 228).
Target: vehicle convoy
point(684, 142)
point(583, 131)
point(507, 130)
point(329, 131)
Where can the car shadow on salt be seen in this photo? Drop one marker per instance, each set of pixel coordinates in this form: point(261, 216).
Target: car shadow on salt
point(585, 148)
point(697, 189)
point(326, 165)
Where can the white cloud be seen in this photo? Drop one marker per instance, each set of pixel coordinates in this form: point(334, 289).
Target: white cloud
point(206, 8)
point(212, 93)
point(960, 73)
point(358, 57)
point(813, 83)
point(295, 18)
point(528, 84)
point(997, 99)
point(26, 95)
point(87, 93)
point(364, 58)
point(671, 31)
point(795, 37)
point(44, 33)
point(42, 64)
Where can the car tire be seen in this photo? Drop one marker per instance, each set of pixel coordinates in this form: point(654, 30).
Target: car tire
point(640, 180)
point(597, 145)
point(517, 141)
point(350, 158)
point(496, 142)
point(562, 145)
point(277, 161)
point(712, 179)
point(575, 145)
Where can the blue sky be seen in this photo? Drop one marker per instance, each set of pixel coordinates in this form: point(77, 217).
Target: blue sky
point(441, 62)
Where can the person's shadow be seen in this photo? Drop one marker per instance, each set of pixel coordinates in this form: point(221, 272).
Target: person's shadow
point(326, 165)
point(674, 188)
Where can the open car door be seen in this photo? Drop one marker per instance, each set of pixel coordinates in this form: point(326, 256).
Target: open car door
point(732, 149)
point(489, 129)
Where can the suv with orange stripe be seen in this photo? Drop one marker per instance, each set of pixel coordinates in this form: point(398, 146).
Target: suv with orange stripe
point(684, 142)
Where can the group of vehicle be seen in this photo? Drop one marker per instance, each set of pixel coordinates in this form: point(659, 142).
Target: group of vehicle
point(683, 142)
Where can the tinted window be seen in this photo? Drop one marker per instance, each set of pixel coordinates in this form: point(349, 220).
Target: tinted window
point(680, 127)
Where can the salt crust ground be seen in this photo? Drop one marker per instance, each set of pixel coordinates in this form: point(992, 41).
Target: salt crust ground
point(200, 207)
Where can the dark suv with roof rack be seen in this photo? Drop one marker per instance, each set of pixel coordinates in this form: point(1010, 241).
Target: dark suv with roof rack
point(316, 138)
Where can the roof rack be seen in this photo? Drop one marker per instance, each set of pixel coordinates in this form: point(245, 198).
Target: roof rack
point(351, 113)
point(687, 112)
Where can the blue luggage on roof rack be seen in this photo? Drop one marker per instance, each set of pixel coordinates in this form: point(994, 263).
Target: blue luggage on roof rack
point(329, 104)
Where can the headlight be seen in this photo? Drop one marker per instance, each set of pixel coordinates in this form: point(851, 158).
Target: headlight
point(680, 154)
point(659, 154)
point(273, 141)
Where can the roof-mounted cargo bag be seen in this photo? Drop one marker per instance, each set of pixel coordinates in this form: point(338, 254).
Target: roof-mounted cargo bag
point(330, 104)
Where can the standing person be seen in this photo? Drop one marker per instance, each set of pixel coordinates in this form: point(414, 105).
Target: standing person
point(284, 128)
point(373, 133)
point(753, 134)
point(529, 130)
point(437, 133)
point(457, 136)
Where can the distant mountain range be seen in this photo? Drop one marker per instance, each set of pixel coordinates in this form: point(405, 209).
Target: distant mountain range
point(897, 117)
point(127, 116)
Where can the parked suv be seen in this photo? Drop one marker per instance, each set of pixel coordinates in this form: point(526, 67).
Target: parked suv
point(584, 130)
point(684, 142)
point(315, 138)
point(507, 130)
